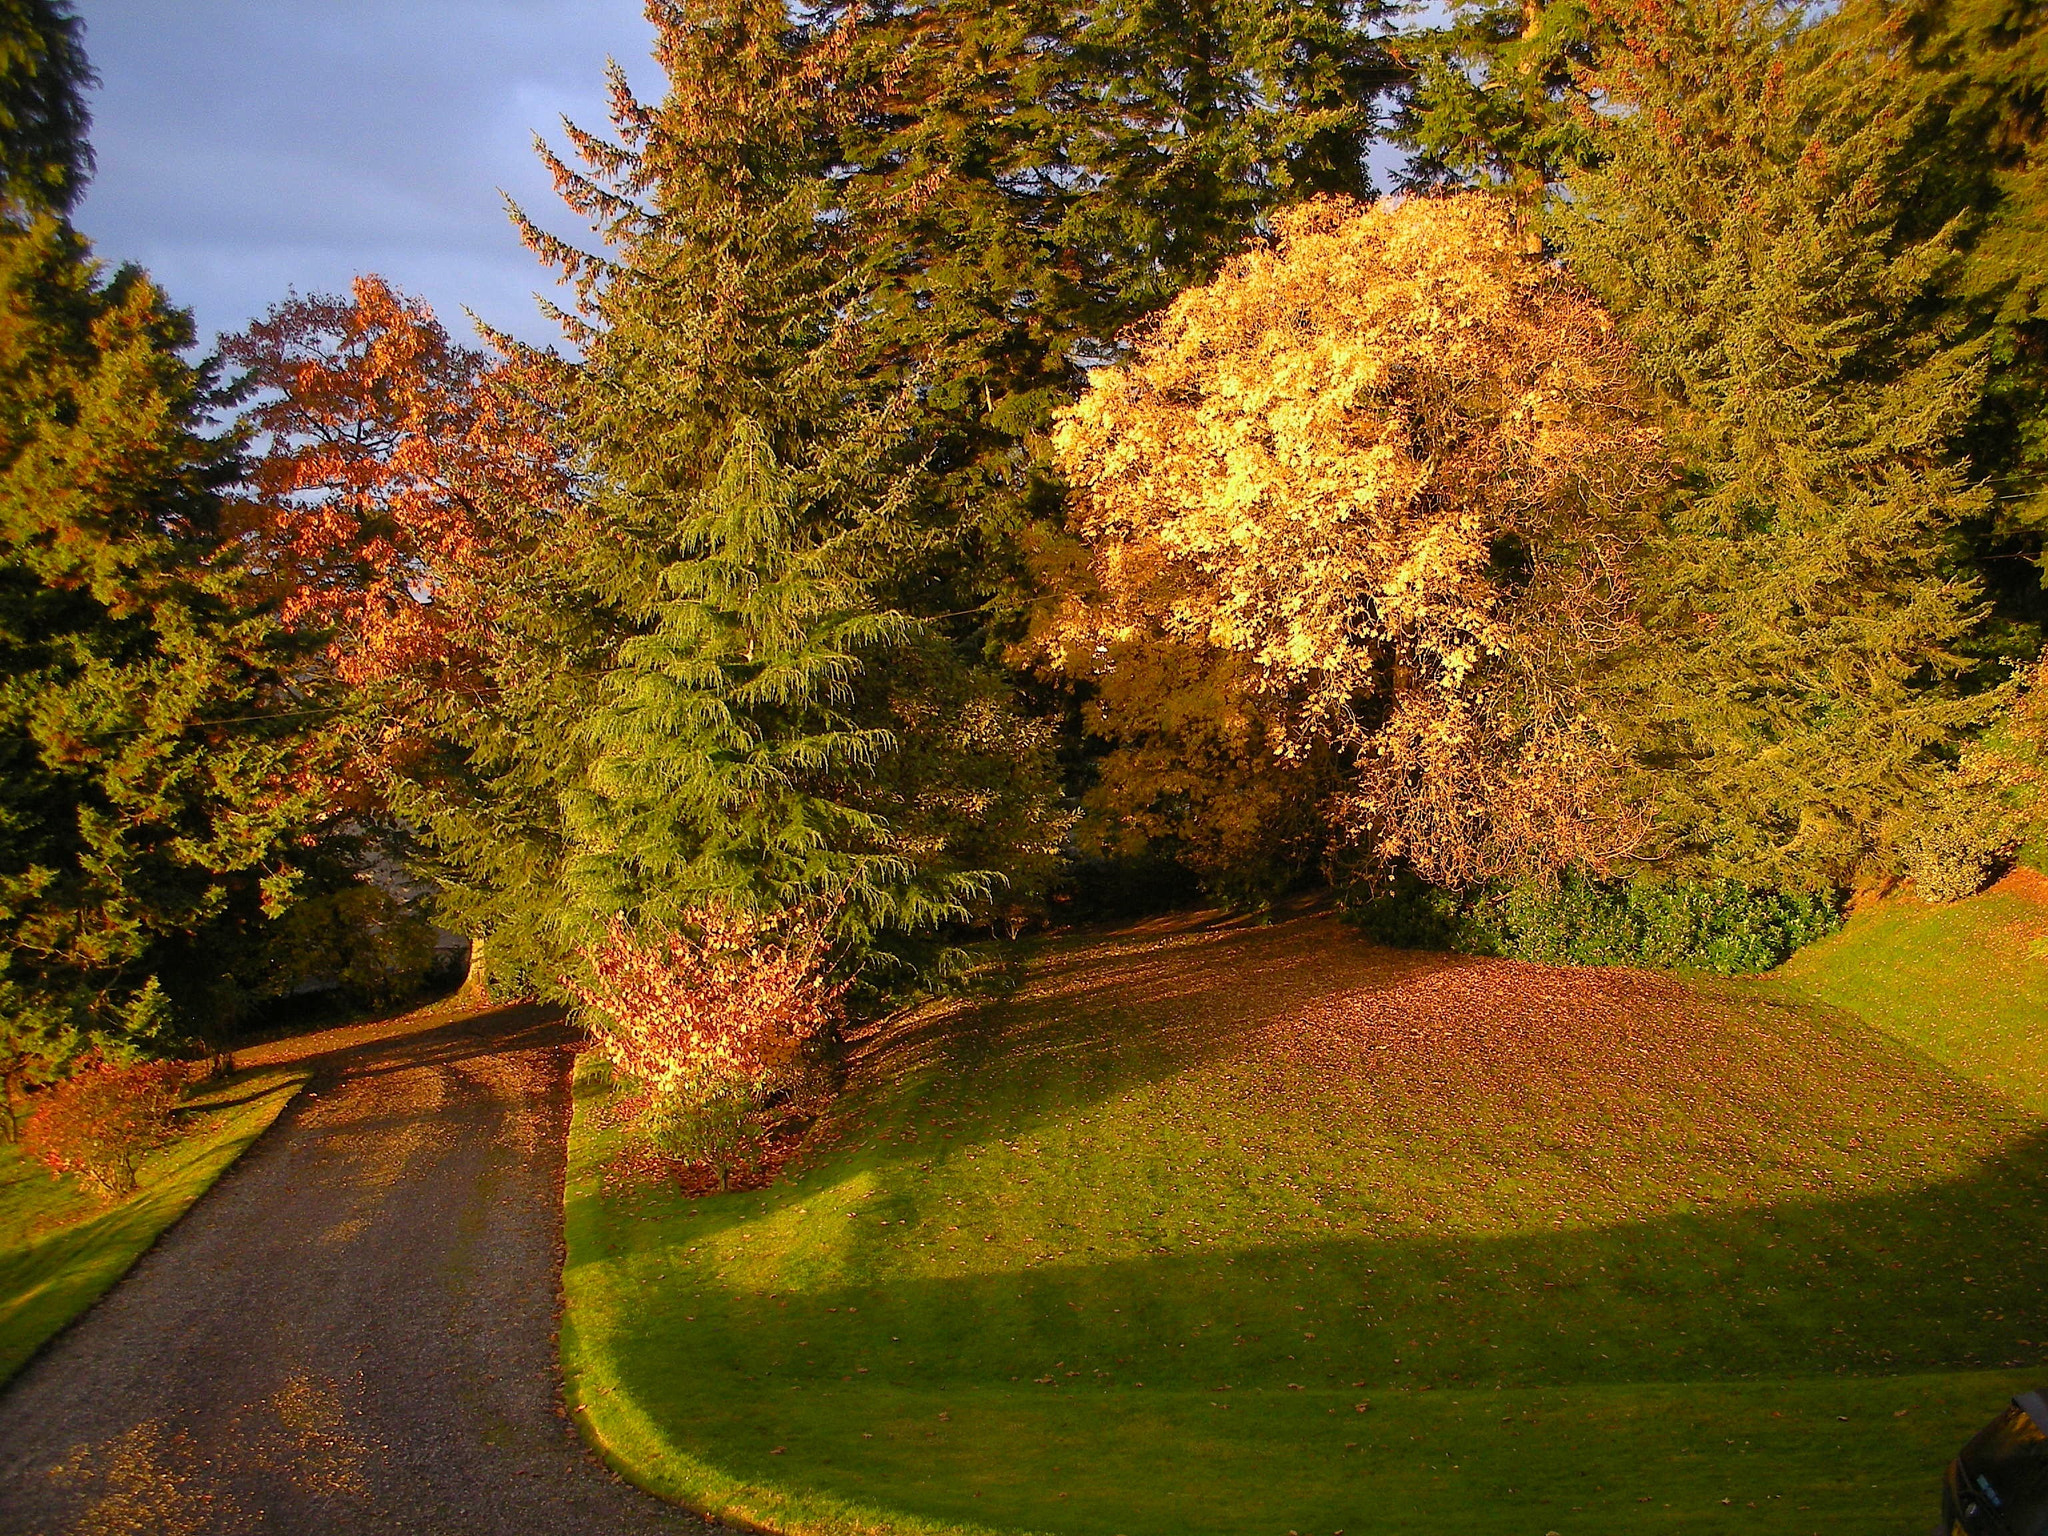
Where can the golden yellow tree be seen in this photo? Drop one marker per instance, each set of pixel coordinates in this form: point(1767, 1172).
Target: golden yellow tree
point(1389, 468)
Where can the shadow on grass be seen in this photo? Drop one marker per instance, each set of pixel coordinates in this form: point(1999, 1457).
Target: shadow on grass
point(1940, 1278)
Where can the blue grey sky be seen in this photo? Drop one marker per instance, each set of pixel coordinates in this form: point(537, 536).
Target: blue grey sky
point(249, 146)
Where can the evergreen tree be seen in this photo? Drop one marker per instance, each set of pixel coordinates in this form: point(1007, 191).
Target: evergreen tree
point(149, 735)
point(1795, 702)
point(45, 160)
point(1984, 64)
point(1492, 97)
point(154, 778)
point(1500, 96)
point(751, 727)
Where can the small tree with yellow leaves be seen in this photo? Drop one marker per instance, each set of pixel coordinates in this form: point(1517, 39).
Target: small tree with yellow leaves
point(1386, 472)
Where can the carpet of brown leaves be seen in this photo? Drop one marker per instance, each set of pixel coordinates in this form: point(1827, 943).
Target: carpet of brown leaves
point(1459, 1093)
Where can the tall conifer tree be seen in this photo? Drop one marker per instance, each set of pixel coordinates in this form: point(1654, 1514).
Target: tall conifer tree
point(764, 734)
point(1796, 695)
point(1492, 95)
point(151, 747)
point(1984, 63)
point(1499, 97)
point(45, 159)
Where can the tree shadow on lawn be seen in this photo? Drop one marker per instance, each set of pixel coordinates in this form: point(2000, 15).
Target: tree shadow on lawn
point(498, 1031)
point(1939, 1278)
point(1158, 995)
point(415, 1037)
point(1751, 1196)
point(1328, 1022)
point(1253, 1362)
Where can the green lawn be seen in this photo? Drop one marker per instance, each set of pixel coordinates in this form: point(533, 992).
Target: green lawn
point(60, 1249)
point(1966, 983)
point(1128, 1252)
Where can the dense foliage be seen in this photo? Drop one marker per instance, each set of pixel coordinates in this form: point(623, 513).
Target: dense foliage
point(1820, 223)
point(1983, 67)
point(1720, 926)
point(1002, 457)
point(396, 485)
point(1388, 472)
point(391, 461)
point(709, 1026)
point(1022, 181)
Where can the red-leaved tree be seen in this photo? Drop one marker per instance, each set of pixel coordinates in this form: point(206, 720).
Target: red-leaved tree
point(396, 479)
point(393, 469)
point(735, 1001)
point(97, 1121)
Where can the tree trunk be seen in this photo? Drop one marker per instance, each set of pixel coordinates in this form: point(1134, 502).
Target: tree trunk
point(476, 984)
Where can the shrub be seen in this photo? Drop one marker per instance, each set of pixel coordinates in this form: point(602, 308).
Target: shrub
point(711, 1024)
point(1408, 914)
point(1711, 925)
point(718, 1126)
point(1956, 855)
point(96, 1122)
point(1992, 809)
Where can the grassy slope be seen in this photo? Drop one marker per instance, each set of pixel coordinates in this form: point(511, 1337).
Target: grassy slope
point(60, 1249)
point(1126, 1253)
point(1966, 983)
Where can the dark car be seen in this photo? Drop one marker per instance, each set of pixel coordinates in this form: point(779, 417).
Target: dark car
point(1999, 1485)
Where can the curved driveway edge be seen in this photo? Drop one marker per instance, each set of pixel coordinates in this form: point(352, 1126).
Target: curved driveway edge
point(353, 1332)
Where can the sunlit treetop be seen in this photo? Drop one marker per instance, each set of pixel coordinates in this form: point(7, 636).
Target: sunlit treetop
point(1395, 465)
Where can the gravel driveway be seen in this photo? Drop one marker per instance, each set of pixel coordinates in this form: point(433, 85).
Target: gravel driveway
point(353, 1332)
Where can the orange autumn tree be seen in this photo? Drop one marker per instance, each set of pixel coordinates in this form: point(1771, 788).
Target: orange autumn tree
point(1380, 481)
point(397, 478)
point(389, 459)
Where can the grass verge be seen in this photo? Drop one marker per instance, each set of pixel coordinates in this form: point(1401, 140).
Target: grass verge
point(1219, 1228)
point(1967, 983)
point(60, 1249)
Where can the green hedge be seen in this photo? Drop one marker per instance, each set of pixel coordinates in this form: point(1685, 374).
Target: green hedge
point(1710, 925)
